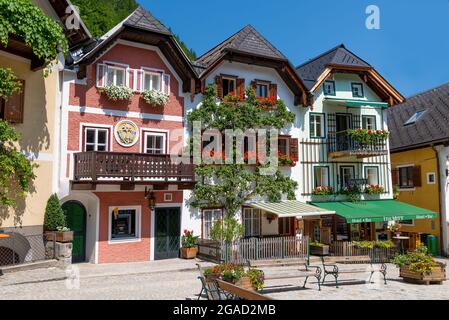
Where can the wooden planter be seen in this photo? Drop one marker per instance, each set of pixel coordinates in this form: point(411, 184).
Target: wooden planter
point(436, 276)
point(245, 283)
point(189, 253)
point(319, 250)
point(60, 236)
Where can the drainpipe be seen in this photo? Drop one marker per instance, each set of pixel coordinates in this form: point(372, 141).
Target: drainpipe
point(442, 201)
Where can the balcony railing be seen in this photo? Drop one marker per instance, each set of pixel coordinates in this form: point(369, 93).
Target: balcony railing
point(342, 144)
point(130, 167)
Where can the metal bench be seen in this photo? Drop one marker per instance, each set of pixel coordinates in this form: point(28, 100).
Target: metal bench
point(330, 266)
point(306, 271)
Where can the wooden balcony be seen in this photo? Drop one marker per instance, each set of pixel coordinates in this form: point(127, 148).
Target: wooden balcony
point(129, 169)
point(342, 145)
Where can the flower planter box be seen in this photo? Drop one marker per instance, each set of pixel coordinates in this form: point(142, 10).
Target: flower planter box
point(436, 276)
point(319, 250)
point(65, 236)
point(189, 253)
point(245, 283)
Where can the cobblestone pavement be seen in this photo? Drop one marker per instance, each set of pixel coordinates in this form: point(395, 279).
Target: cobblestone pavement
point(177, 280)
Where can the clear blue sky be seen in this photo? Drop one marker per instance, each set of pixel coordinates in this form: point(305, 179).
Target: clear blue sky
point(411, 50)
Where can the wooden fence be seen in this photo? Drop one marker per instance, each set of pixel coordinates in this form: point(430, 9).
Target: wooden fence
point(264, 248)
point(347, 248)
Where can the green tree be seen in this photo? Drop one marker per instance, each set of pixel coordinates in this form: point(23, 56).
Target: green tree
point(229, 230)
point(54, 215)
point(238, 183)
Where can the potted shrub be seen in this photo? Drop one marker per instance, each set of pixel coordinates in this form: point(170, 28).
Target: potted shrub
point(155, 98)
point(117, 93)
point(319, 249)
point(420, 267)
point(54, 222)
point(189, 249)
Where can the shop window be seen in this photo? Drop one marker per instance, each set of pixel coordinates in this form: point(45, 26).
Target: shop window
point(124, 223)
point(285, 226)
point(251, 222)
point(96, 139)
point(210, 216)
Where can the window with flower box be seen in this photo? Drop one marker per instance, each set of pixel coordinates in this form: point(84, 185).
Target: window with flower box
point(369, 122)
point(116, 76)
point(372, 175)
point(321, 177)
point(262, 90)
point(152, 81)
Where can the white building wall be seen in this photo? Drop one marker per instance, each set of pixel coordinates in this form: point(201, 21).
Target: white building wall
point(443, 160)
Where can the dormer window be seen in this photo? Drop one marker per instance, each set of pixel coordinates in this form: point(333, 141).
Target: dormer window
point(116, 76)
point(228, 86)
point(329, 88)
point(414, 118)
point(357, 90)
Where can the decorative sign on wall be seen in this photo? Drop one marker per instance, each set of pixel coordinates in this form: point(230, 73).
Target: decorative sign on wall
point(126, 133)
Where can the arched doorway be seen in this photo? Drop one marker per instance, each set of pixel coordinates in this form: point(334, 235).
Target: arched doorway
point(75, 215)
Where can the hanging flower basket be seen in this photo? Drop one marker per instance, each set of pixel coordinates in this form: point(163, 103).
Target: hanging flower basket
point(117, 93)
point(155, 98)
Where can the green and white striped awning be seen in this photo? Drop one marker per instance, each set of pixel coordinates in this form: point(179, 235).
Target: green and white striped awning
point(291, 208)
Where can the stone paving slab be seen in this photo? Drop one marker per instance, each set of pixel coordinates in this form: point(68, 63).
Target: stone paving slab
point(177, 280)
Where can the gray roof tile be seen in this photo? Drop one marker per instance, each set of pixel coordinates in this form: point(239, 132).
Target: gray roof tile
point(312, 69)
point(247, 40)
point(430, 127)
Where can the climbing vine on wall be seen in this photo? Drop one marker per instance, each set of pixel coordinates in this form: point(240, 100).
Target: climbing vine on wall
point(24, 20)
point(9, 84)
point(231, 185)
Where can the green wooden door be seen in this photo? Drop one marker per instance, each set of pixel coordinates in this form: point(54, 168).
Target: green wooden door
point(75, 215)
point(168, 233)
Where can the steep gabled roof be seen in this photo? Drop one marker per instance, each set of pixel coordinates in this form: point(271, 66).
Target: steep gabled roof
point(248, 41)
point(311, 70)
point(339, 59)
point(430, 128)
point(249, 46)
point(140, 26)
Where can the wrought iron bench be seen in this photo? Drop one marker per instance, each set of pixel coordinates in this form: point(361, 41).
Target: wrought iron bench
point(306, 271)
point(330, 266)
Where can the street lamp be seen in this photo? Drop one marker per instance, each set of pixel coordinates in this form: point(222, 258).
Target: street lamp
point(149, 195)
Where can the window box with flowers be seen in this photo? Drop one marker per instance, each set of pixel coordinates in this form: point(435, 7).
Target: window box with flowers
point(374, 189)
point(189, 248)
point(367, 136)
point(286, 160)
point(117, 93)
point(155, 98)
point(267, 103)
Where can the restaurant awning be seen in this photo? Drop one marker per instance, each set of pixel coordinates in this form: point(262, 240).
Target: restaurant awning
point(376, 211)
point(291, 208)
